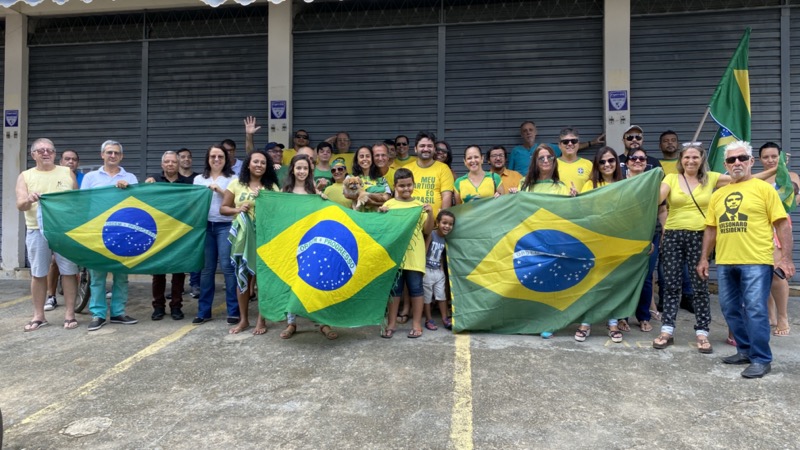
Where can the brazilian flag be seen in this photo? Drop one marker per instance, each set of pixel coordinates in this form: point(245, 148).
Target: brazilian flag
point(330, 264)
point(145, 228)
point(784, 185)
point(529, 263)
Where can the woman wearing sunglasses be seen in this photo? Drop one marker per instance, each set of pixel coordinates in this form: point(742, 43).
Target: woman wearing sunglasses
point(334, 191)
point(542, 177)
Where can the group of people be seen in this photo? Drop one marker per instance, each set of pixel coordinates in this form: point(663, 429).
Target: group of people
point(694, 218)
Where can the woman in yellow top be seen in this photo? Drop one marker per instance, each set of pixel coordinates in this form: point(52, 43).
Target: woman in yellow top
point(477, 184)
point(374, 183)
point(687, 194)
point(542, 177)
point(256, 175)
point(605, 170)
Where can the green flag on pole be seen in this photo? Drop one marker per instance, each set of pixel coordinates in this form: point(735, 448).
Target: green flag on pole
point(529, 263)
point(730, 105)
point(330, 264)
point(784, 185)
point(146, 228)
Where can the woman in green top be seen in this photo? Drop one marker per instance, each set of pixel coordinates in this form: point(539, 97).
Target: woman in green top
point(477, 183)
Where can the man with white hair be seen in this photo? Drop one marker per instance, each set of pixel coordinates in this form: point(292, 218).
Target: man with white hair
point(739, 225)
point(44, 178)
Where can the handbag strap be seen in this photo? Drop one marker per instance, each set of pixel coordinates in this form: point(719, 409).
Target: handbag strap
point(690, 195)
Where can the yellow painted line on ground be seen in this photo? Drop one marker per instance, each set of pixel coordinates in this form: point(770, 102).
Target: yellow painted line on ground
point(14, 302)
point(120, 367)
point(461, 420)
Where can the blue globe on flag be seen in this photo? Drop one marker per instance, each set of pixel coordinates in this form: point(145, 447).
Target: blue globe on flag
point(551, 261)
point(327, 256)
point(129, 232)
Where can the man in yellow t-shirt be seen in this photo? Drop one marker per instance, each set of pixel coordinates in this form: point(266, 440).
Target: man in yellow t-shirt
point(497, 161)
point(668, 143)
point(739, 225)
point(433, 180)
point(572, 169)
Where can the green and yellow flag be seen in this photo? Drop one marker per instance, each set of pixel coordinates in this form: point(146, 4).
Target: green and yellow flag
point(146, 228)
point(529, 263)
point(730, 105)
point(330, 264)
point(784, 185)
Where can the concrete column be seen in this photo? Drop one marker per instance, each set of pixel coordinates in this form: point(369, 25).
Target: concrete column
point(15, 138)
point(279, 70)
point(617, 70)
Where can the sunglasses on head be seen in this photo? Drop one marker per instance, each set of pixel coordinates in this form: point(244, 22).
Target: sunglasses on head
point(732, 159)
point(637, 158)
point(633, 137)
point(569, 141)
point(603, 162)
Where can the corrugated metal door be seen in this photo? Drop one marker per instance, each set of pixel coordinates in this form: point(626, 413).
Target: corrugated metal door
point(199, 92)
point(374, 84)
point(2, 102)
point(499, 75)
point(82, 95)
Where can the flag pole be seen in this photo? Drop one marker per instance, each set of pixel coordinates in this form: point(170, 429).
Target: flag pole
point(702, 122)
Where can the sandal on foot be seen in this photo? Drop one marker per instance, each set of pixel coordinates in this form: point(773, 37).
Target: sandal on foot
point(448, 323)
point(330, 334)
point(730, 341)
point(431, 325)
point(388, 333)
point(402, 318)
point(781, 331)
point(413, 334)
point(623, 325)
point(704, 345)
point(663, 341)
point(615, 335)
point(581, 334)
point(645, 326)
point(70, 324)
point(289, 331)
point(655, 314)
point(34, 325)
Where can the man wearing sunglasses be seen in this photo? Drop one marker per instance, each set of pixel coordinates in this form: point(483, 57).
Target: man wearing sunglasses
point(739, 225)
point(573, 170)
point(403, 155)
point(633, 139)
point(301, 138)
point(520, 157)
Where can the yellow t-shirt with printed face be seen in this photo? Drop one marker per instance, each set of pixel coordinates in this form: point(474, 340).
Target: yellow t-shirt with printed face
point(683, 214)
point(576, 172)
point(415, 255)
point(669, 166)
point(430, 182)
point(743, 214)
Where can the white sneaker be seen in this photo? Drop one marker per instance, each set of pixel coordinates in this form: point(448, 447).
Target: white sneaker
point(108, 294)
point(51, 303)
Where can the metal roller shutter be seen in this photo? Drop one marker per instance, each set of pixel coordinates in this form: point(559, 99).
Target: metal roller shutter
point(199, 92)
point(2, 81)
point(374, 84)
point(499, 75)
point(81, 95)
point(673, 77)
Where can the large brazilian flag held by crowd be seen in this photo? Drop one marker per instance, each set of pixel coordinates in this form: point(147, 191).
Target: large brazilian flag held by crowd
point(330, 264)
point(529, 263)
point(145, 228)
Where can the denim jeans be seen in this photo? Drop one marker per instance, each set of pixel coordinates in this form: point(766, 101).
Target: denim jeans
point(194, 279)
point(743, 293)
point(646, 297)
point(217, 249)
point(97, 299)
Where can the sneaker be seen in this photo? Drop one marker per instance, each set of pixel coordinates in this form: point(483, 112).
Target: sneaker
point(108, 294)
point(51, 303)
point(123, 319)
point(195, 291)
point(176, 313)
point(233, 320)
point(199, 320)
point(158, 314)
point(96, 323)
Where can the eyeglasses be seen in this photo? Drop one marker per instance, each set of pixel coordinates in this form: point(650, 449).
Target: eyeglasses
point(603, 162)
point(338, 169)
point(544, 158)
point(569, 141)
point(216, 157)
point(401, 143)
point(633, 137)
point(45, 150)
point(637, 158)
point(741, 158)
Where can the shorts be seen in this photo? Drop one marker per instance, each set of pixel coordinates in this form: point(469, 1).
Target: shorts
point(411, 279)
point(433, 285)
point(40, 255)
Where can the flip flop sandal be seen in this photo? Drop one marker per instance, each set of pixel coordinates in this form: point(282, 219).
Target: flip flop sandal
point(623, 325)
point(701, 345)
point(70, 324)
point(402, 318)
point(388, 333)
point(34, 325)
point(666, 339)
point(287, 333)
point(431, 325)
point(615, 335)
point(581, 335)
point(413, 334)
point(330, 334)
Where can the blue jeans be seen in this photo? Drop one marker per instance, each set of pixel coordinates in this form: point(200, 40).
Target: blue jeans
point(217, 249)
point(194, 279)
point(743, 293)
point(97, 299)
point(646, 297)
